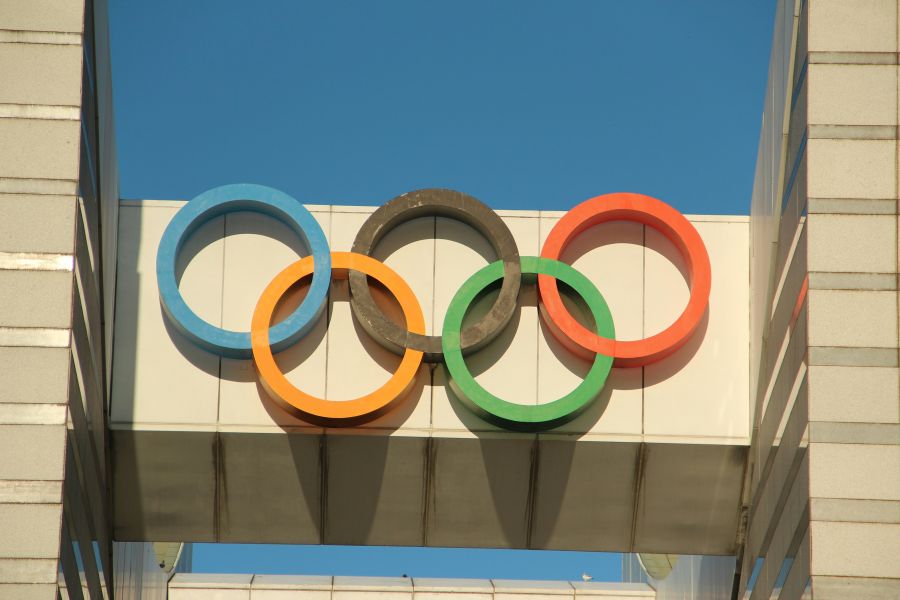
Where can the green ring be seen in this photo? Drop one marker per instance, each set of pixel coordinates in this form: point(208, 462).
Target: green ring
point(521, 417)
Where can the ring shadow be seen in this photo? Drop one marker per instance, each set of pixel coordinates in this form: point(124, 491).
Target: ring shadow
point(403, 234)
point(480, 361)
point(651, 240)
point(293, 356)
point(441, 228)
point(236, 369)
point(483, 359)
point(551, 501)
point(238, 223)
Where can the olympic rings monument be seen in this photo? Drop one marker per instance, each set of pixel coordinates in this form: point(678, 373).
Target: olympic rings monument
point(248, 366)
point(430, 372)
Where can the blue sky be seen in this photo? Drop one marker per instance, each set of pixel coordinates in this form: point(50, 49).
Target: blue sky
point(523, 104)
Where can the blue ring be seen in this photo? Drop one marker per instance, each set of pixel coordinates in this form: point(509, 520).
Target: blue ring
point(232, 198)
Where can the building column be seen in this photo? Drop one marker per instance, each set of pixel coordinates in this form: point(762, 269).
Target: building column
point(852, 245)
point(40, 125)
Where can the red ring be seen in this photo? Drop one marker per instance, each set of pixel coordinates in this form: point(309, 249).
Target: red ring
point(653, 213)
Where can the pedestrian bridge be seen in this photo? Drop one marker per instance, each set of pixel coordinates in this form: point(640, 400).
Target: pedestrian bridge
point(202, 453)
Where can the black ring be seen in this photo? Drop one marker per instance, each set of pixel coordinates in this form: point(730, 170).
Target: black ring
point(436, 203)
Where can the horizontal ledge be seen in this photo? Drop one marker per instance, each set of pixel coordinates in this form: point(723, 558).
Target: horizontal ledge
point(881, 434)
point(35, 261)
point(44, 337)
point(406, 585)
point(819, 280)
point(853, 132)
point(849, 206)
point(853, 58)
point(53, 38)
point(852, 357)
point(133, 202)
point(30, 492)
point(503, 212)
point(48, 187)
point(33, 414)
point(40, 111)
point(623, 438)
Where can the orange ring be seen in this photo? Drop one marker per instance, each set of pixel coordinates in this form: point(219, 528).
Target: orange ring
point(653, 213)
point(318, 410)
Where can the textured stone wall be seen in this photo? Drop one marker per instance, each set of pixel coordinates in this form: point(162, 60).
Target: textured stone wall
point(823, 493)
point(41, 56)
point(854, 407)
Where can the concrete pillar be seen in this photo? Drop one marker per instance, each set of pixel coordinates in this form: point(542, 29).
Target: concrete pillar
point(823, 500)
point(854, 404)
point(40, 129)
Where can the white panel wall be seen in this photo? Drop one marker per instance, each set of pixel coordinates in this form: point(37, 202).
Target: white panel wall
point(698, 395)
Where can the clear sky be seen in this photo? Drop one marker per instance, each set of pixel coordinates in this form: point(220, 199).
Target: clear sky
point(523, 104)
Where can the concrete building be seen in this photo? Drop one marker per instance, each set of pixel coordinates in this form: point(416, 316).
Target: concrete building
point(823, 484)
point(761, 459)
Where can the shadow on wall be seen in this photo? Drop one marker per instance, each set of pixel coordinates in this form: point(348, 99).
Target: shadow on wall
point(479, 362)
point(513, 479)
